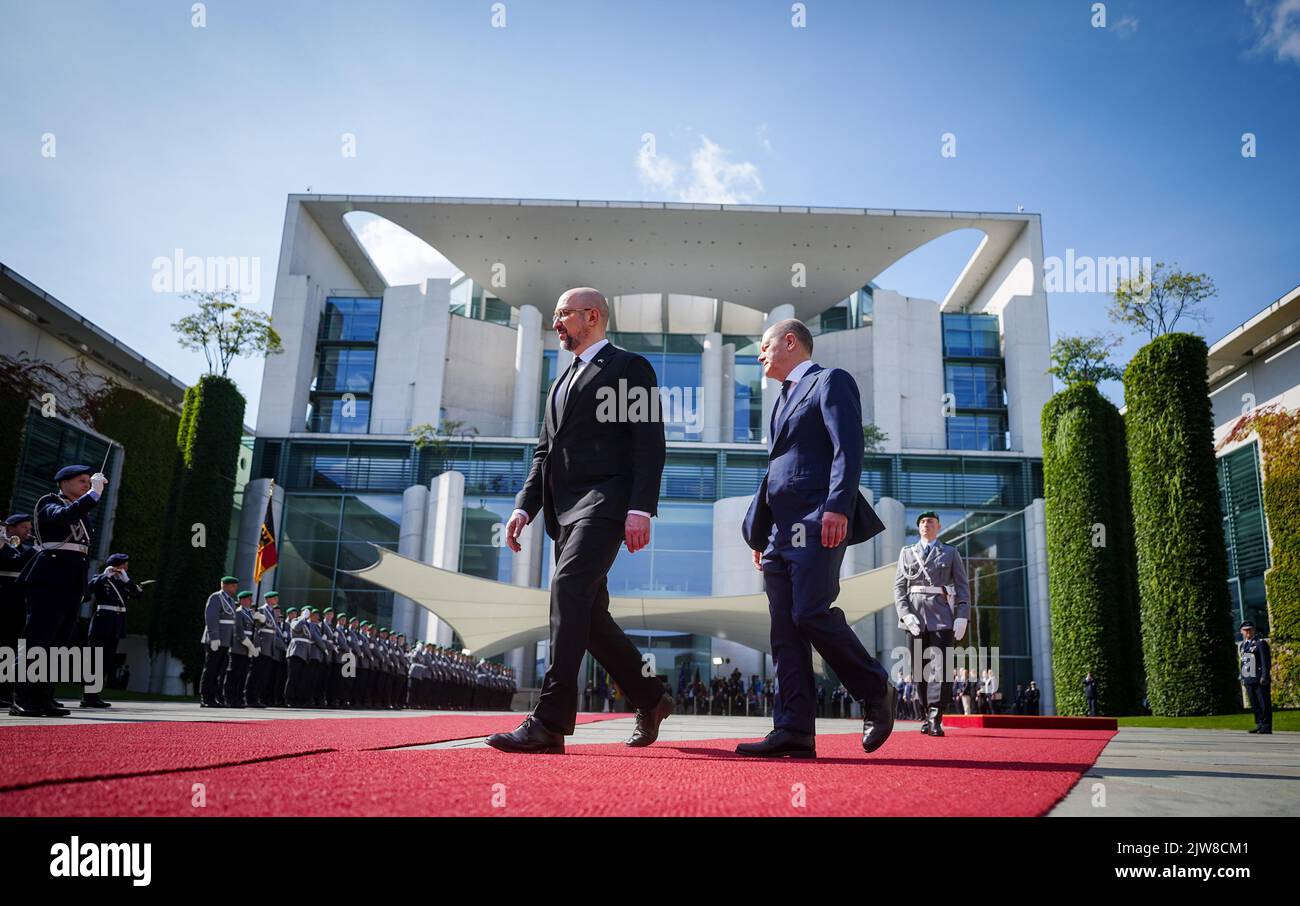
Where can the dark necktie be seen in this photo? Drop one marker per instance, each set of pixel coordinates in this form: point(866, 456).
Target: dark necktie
point(566, 385)
point(779, 408)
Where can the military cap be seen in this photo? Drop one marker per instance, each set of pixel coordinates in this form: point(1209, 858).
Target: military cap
point(226, 580)
point(928, 514)
point(343, 615)
point(292, 607)
point(328, 610)
point(72, 472)
point(1246, 624)
point(244, 594)
point(271, 594)
point(116, 559)
point(366, 623)
point(383, 628)
point(17, 518)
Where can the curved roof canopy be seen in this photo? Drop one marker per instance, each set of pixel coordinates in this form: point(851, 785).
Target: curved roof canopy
point(743, 254)
point(493, 617)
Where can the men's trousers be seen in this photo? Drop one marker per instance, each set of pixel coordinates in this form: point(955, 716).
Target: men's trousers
point(580, 622)
point(214, 669)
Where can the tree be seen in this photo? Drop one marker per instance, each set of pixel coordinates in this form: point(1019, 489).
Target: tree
point(1157, 301)
point(223, 329)
point(873, 438)
point(1182, 561)
point(1079, 359)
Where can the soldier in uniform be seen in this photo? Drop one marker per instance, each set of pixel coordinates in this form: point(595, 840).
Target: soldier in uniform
point(109, 591)
point(54, 581)
point(218, 633)
point(257, 687)
point(275, 690)
point(297, 690)
point(1256, 662)
point(360, 694)
point(343, 652)
point(329, 660)
point(385, 668)
point(15, 553)
point(933, 603)
point(242, 649)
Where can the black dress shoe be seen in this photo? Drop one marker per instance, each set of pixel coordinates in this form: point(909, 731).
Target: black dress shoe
point(781, 744)
point(647, 723)
point(1256, 730)
point(878, 720)
point(16, 710)
point(530, 738)
point(936, 722)
point(94, 701)
point(55, 712)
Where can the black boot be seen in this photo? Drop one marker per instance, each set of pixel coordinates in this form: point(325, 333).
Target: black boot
point(936, 722)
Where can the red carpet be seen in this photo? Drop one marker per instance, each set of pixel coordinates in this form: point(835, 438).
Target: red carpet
point(1030, 722)
point(969, 772)
point(53, 753)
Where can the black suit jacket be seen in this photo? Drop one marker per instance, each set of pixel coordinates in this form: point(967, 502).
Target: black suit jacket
point(605, 454)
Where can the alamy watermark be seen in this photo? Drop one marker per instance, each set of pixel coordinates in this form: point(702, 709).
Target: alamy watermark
point(1088, 274)
point(79, 666)
point(183, 273)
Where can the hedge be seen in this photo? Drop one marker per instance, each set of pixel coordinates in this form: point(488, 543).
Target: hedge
point(1092, 577)
point(1187, 631)
point(207, 452)
point(1279, 433)
point(147, 432)
point(13, 414)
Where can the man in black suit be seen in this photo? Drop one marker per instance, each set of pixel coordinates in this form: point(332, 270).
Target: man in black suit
point(595, 475)
point(807, 511)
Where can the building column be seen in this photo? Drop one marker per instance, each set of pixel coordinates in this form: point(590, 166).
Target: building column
point(528, 372)
point(1040, 611)
point(408, 616)
point(709, 404)
point(444, 515)
point(888, 636)
point(728, 427)
point(251, 513)
point(733, 563)
point(772, 389)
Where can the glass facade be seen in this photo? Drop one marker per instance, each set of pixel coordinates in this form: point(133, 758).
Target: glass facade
point(346, 347)
point(1245, 533)
point(973, 376)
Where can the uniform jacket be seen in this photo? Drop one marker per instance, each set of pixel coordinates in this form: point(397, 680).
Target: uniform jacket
point(63, 542)
point(301, 643)
point(941, 567)
point(219, 619)
point(266, 636)
point(110, 592)
point(244, 627)
point(1255, 650)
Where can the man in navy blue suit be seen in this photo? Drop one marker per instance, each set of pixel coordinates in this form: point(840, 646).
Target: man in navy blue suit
point(807, 511)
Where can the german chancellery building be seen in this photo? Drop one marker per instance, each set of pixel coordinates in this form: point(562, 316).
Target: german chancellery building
point(956, 385)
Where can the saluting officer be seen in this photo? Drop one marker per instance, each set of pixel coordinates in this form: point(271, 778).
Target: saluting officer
point(258, 684)
point(1256, 662)
point(218, 634)
point(298, 689)
point(933, 603)
point(15, 553)
point(54, 581)
point(109, 591)
point(241, 651)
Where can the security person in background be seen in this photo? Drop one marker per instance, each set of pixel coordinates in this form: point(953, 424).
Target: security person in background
point(15, 553)
point(257, 686)
point(1256, 661)
point(933, 603)
point(218, 633)
point(241, 651)
point(54, 581)
point(109, 592)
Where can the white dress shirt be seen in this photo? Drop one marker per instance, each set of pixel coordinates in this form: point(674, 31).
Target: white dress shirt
point(583, 359)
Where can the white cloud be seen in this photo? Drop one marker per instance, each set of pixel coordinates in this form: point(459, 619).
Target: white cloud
point(401, 257)
point(1278, 25)
point(764, 140)
point(1126, 26)
point(712, 178)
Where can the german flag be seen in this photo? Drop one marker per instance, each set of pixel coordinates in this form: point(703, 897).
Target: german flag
point(267, 556)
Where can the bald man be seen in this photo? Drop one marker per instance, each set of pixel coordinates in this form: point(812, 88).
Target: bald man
point(595, 477)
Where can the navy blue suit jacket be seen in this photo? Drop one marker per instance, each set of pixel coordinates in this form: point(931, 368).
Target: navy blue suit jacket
point(814, 465)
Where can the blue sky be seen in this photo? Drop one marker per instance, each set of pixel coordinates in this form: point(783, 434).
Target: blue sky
point(1126, 139)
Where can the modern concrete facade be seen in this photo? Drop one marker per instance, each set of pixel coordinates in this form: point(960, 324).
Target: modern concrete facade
point(955, 384)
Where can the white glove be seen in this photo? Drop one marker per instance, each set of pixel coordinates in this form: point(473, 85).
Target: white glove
point(259, 617)
point(252, 649)
point(215, 643)
point(913, 624)
point(958, 628)
point(256, 652)
point(97, 482)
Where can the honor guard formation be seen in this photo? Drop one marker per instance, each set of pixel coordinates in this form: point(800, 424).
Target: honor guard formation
point(256, 654)
point(260, 656)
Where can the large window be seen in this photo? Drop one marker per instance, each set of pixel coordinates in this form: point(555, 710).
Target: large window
point(975, 385)
point(346, 368)
point(1245, 533)
point(977, 432)
point(482, 549)
point(346, 349)
point(350, 320)
point(971, 335)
